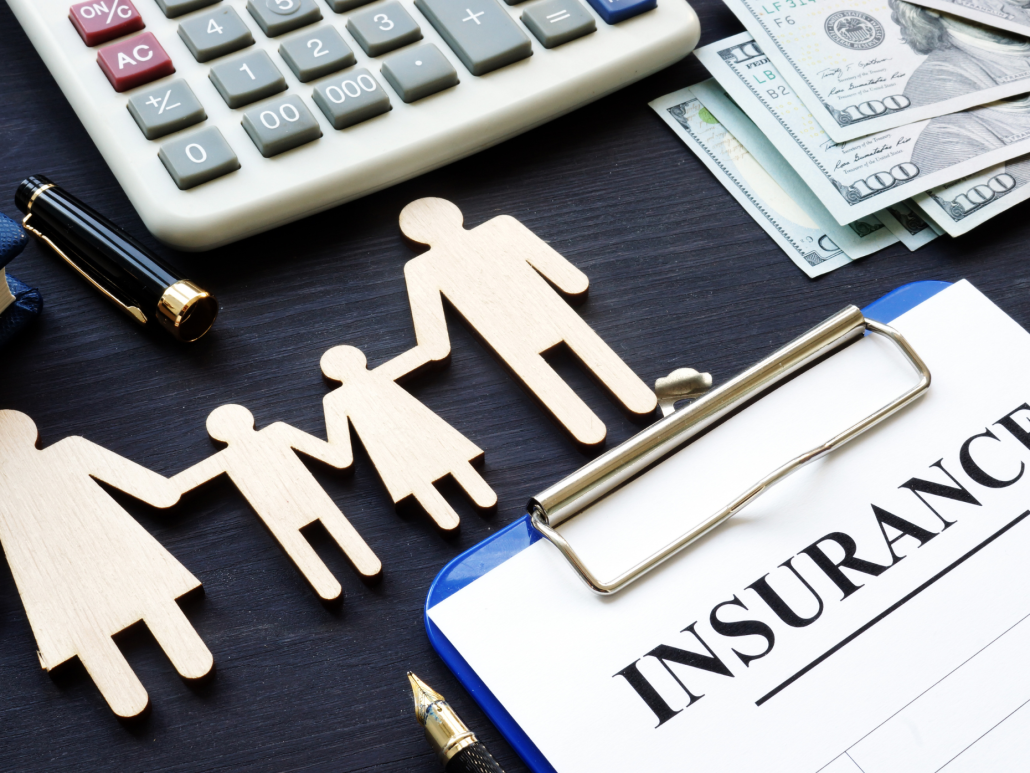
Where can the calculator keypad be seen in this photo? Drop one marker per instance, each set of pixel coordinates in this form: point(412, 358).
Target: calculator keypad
point(480, 32)
point(277, 17)
point(215, 33)
point(280, 125)
point(247, 78)
point(173, 8)
point(383, 27)
point(351, 99)
point(419, 71)
point(317, 52)
point(165, 109)
point(198, 157)
point(555, 22)
point(99, 22)
point(135, 61)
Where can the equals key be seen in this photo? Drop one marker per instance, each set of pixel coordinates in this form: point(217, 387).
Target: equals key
point(98, 22)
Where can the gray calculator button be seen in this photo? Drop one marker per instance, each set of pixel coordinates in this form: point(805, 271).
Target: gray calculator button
point(346, 5)
point(198, 157)
point(215, 34)
point(351, 98)
point(165, 109)
point(418, 72)
point(248, 78)
point(173, 8)
point(558, 21)
point(315, 53)
point(280, 125)
point(278, 16)
point(383, 27)
point(481, 33)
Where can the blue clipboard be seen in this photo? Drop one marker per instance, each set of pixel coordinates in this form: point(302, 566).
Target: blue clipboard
point(513, 539)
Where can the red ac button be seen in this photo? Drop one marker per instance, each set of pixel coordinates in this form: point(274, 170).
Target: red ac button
point(134, 62)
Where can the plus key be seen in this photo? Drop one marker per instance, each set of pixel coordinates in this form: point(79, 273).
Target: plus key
point(134, 62)
point(99, 22)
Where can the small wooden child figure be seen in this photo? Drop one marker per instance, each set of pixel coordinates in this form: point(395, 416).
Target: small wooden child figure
point(264, 467)
point(496, 275)
point(85, 569)
point(410, 446)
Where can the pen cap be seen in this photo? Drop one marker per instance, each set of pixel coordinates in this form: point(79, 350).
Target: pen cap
point(123, 268)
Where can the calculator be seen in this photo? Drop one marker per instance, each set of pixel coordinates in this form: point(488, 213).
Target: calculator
point(225, 118)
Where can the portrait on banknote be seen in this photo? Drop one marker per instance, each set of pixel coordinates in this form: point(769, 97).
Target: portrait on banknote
point(948, 140)
point(961, 58)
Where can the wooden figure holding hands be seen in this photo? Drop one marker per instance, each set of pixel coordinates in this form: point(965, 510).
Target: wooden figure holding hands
point(410, 446)
point(85, 569)
point(263, 465)
point(496, 275)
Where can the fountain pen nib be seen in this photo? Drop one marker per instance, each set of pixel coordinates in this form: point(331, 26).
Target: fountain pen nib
point(425, 696)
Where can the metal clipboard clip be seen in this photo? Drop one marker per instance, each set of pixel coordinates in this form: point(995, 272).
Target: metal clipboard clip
point(616, 467)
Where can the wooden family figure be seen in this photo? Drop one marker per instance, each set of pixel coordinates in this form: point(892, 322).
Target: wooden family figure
point(85, 569)
point(264, 466)
point(496, 275)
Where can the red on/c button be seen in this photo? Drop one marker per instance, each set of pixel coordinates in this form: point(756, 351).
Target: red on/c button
point(134, 62)
point(99, 21)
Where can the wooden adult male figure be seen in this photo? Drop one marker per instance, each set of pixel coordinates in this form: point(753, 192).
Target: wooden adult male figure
point(496, 275)
point(85, 569)
point(264, 466)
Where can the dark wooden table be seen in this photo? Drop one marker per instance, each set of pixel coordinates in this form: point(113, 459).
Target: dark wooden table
point(680, 276)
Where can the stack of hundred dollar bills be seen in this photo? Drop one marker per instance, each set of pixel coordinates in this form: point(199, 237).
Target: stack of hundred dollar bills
point(844, 126)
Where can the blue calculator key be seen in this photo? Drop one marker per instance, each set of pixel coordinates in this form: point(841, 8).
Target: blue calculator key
point(614, 11)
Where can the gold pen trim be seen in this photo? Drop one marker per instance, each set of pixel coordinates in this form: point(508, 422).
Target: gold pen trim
point(186, 311)
point(446, 733)
point(36, 193)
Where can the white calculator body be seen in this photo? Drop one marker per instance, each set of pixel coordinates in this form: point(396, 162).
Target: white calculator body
point(244, 133)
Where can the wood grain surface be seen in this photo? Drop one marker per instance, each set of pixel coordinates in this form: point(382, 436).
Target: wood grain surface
point(680, 276)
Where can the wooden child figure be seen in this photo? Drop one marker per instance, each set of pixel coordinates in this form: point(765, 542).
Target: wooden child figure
point(85, 569)
point(496, 275)
point(264, 466)
point(410, 446)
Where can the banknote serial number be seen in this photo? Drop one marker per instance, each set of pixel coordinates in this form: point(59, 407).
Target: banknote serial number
point(774, 10)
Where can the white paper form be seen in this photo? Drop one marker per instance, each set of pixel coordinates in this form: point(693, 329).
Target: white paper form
point(907, 657)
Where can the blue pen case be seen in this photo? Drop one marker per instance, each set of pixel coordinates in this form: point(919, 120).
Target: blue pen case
point(28, 303)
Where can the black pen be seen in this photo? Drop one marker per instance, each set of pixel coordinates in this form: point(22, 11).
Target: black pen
point(453, 742)
point(113, 262)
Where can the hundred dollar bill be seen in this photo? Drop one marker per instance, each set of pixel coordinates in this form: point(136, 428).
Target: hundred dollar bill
point(863, 66)
point(964, 204)
point(912, 230)
point(1011, 15)
point(905, 221)
point(866, 175)
point(776, 198)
